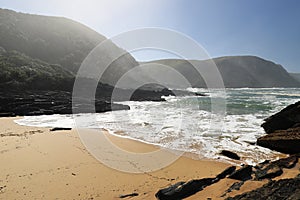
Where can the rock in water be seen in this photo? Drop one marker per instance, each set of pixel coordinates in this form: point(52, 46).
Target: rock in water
point(284, 130)
point(60, 129)
point(230, 154)
point(285, 119)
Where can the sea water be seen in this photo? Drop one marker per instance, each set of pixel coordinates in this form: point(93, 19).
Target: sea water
point(188, 123)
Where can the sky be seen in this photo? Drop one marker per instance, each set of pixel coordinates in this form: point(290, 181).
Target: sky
point(266, 28)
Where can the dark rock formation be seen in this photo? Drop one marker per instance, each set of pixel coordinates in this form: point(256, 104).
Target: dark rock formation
point(122, 196)
point(230, 154)
point(285, 119)
point(288, 162)
point(265, 170)
point(182, 190)
point(269, 172)
point(226, 172)
point(200, 94)
point(284, 130)
point(242, 174)
point(283, 189)
point(47, 103)
point(273, 169)
point(39, 102)
point(234, 186)
point(148, 95)
point(8, 114)
point(285, 141)
point(60, 129)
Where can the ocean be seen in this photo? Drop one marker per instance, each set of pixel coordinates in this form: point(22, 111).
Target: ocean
point(188, 123)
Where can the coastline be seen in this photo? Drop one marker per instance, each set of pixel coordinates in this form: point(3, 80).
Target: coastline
point(37, 163)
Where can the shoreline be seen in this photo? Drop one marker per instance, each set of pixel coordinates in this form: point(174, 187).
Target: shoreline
point(246, 157)
point(39, 164)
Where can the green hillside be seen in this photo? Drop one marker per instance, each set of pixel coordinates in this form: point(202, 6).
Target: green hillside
point(19, 71)
point(54, 40)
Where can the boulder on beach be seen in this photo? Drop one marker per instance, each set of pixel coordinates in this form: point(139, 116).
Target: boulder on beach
point(285, 141)
point(243, 174)
point(183, 189)
point(282, 189)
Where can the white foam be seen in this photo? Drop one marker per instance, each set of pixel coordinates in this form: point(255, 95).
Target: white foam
point(179, 124)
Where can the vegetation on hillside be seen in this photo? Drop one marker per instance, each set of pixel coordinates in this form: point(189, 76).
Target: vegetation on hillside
point(19, 71)
point(55, 40)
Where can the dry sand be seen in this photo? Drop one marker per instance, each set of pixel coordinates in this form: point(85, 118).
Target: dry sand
point(39, 164)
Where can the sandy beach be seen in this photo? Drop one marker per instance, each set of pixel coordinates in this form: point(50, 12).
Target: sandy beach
point(39, 164)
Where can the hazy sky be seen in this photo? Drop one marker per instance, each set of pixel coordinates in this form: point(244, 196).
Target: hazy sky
point(266, 28)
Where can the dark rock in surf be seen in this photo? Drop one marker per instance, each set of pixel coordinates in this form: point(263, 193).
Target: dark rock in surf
point(60, 129)
point(230, 154)
point(284, 130)
point(200, 94)
point(285, 119)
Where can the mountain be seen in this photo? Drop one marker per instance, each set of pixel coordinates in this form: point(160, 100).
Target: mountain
point(295, 76)
point(64, 43)
point(58, 40)
point(236, 71)
point(54, 40)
